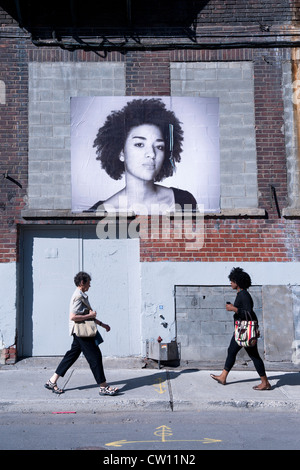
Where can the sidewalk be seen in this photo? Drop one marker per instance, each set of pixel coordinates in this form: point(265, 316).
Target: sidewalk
point(177, 389)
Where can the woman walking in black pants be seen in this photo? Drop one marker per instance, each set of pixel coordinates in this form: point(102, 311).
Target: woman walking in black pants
point(241, 281)
point(79, 305)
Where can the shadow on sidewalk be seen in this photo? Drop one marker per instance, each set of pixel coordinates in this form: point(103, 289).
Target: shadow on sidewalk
point(138, 382)
point(291, 378)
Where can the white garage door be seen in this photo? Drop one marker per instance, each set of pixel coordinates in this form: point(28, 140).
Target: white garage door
point(51, 258)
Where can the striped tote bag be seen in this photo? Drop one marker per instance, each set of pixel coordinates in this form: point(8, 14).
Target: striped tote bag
point(246, 332)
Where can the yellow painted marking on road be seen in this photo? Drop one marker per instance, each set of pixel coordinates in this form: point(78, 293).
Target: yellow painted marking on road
point(206, 440)
point(160, 387)
point(163, 432)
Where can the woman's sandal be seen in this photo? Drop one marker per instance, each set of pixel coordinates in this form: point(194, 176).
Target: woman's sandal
point(51, 386)
point(108, 391)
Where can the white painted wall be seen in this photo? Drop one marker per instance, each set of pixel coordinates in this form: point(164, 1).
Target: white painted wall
point(7, 304)
point(151, 293)
point(158, 281)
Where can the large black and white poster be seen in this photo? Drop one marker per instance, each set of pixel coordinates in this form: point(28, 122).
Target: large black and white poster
point(145, 155)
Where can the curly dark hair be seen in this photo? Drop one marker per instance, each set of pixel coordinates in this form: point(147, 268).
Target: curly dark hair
point(242, 279)
point(81, 276)
point(112, 135)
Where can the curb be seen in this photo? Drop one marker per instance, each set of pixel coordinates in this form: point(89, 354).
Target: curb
point(114, 405)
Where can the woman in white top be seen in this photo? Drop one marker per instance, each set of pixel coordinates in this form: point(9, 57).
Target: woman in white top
point(80, 310)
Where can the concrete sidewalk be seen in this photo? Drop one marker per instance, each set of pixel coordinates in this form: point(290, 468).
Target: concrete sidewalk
point(178, 389)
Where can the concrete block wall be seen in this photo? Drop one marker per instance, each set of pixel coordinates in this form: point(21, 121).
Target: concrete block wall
point(204, 327)
point(51, 85)
point(233, 84)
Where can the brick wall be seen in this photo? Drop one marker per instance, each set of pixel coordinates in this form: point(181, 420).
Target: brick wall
point(271, 158)
point(234, 12)
point(146, 73)
point(232, 240)
point(8, 355)
point(13, 144)
point(141, 71)
point(149, 73)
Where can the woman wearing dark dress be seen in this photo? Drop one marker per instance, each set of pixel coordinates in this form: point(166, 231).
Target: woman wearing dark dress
point(241, 281)
point(143, 141)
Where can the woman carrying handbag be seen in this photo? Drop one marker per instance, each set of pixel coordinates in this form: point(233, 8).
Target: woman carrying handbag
point(83, 327)
point(241, 281)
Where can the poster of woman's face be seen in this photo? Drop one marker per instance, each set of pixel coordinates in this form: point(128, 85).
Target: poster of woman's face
point(145, 154)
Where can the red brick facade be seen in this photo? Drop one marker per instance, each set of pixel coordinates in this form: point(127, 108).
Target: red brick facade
point(225, 239)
